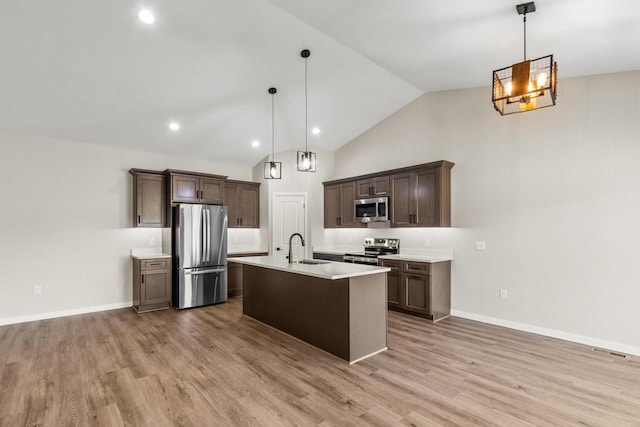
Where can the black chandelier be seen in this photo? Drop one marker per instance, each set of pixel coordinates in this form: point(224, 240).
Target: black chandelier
point(527, 85)
point(272, 169)
point(306, 159)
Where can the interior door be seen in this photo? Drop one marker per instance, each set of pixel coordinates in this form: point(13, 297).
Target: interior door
point(289, 216)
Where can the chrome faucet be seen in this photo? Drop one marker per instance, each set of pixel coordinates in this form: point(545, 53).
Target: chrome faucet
point(290, 239)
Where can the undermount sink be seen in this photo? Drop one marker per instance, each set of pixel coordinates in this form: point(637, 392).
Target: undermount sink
point(311, 262)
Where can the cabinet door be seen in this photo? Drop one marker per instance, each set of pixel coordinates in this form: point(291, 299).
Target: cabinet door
point(394, 289)
point(416, 293)
point(211, 191)
point(155, 287)
point(426, 203)
point(185, 188)
point(380, 186)
point(347, 206)
point(331, 206)
point(401, 199)
point(248, 206)
point(365, 188)
point(150, 206)
point(234, 279)
point(231, 201)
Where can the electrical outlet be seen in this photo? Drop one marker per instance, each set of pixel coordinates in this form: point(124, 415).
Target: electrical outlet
point(37, 290)
point(427, 242)
point(481, 245)
point(235, 239)
point(152, 242)
point(503, 294)
point(350, 239)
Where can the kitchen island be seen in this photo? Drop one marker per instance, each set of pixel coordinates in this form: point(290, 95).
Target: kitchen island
point(338, 307)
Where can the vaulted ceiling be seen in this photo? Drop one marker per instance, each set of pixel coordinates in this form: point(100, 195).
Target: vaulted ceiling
point(89, 70)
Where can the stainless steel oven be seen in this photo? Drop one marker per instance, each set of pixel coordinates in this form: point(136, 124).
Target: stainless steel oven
point(373, 247)
point(372, 210)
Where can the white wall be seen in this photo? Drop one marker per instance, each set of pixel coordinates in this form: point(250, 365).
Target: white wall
point(555, 193)
point(294, 181)
point(65, 222)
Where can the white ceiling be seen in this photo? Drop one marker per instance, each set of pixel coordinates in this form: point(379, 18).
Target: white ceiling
point(89, 70)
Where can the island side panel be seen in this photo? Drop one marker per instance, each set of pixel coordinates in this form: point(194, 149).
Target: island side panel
point(309, 308)
point(368, 315)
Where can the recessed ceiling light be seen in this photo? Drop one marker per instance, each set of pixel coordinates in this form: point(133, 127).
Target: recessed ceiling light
point(255, 144)
point(146, 16)
point(315, 131)
point(174, 126)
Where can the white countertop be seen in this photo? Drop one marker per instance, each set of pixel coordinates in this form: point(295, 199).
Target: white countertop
point(328, 270)
point(150, 256)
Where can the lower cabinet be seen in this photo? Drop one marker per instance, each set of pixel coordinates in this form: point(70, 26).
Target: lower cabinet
point(151, 284)
point(419, 288)
point(235, 276)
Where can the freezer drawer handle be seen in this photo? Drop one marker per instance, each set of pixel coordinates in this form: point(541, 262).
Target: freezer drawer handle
point(196, 273)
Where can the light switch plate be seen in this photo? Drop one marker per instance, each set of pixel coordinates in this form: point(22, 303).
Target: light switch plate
point(37, 290)
point(503, 294)
point(481, 245)
point(152, 242)
point(427, 242)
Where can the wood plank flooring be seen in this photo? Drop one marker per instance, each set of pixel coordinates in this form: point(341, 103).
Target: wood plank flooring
point(214, 367)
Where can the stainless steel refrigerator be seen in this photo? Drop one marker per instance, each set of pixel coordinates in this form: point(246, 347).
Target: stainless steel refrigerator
point(199, 255)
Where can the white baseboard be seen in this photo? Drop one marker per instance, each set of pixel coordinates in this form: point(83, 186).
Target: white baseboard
point(63, 313)
point(553, 333)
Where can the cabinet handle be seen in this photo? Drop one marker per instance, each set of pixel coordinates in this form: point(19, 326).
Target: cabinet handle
point(372, 191)
point(138, 219)
point(143, 279)
point(240, 221)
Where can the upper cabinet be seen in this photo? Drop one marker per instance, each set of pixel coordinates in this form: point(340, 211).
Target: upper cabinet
point(243, 201)
point(419, 196)
point(422, 197)
point(373, 187)
point(188, 188)
point(149, 207)
point(339, 208)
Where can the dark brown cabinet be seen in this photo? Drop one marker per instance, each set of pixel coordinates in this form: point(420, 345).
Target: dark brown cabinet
point(243, 200)
point(151, 284)
point(196, 189)
point(419, 288)
point(373, 187)
point(234, 275)
point(149, 206)
point(421, 197)
point(339, 207)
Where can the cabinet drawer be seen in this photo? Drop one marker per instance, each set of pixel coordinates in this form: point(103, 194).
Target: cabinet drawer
point(417, 267)
point(392, 264)
point(155, 264)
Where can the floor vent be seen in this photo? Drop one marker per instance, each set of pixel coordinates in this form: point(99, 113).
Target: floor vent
point(610, 353)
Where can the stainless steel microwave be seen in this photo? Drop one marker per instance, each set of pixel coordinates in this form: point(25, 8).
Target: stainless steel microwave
point(372, 210)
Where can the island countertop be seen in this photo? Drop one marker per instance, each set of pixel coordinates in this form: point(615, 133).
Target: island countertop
point(327, 270)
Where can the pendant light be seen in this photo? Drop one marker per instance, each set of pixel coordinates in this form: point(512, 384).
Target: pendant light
point(272, 169)
point(306, 159)
point(527, 85)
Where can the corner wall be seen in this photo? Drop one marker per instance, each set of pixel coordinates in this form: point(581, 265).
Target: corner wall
point(555, 194)
point(65, 223)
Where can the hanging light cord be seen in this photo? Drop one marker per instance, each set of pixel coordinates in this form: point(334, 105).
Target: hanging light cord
point(273, 152)
point(524, 20)
point(306, 109)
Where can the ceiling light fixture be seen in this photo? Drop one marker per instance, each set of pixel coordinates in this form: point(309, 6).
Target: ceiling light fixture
point(272, 169)
point(315, 131)
point(146, 17)
point(255, 143)
point(306, 159)
point(174, 126)
point(527, 85)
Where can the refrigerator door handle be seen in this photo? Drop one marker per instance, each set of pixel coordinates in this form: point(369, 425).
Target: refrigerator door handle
point(203, 243)
point(200, 272)
point(208, 235)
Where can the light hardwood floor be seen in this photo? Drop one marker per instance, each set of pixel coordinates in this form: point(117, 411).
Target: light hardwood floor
point(214, 367)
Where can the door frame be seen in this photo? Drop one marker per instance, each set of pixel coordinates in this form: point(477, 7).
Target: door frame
point(307, 228)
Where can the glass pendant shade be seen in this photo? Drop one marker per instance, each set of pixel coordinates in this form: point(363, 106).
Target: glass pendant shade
point(306, 161)
point(272, 170)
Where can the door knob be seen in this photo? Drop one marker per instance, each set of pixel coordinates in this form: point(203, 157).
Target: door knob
point(277, 249)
